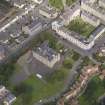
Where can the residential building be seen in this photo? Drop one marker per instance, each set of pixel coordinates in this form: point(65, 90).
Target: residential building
point(74, 38)
point(48, 12)
point(32, 28)
point(91, 19)
point(93, 8)
point(89, 11)
point(6, 97)
point(99, 31)
point(46, 55)
point(20, 39)
point(71, 13)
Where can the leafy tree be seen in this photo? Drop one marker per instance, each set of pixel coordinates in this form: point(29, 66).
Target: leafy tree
point(5, 73)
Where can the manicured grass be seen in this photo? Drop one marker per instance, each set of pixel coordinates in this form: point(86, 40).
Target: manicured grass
point(95, 89)
point(56, 3)
point(58, 75)
point(81, 27)
point(37, 90)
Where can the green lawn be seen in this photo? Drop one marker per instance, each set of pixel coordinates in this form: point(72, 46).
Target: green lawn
point(95, 89)
point(81, 27)
point(37, 90)
point(56, 3)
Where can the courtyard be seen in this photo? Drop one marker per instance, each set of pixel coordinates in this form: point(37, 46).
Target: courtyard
point(81, 27)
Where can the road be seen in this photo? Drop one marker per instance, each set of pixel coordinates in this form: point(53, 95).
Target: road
point(22, 48)
point(24, 12)
point(77, 49)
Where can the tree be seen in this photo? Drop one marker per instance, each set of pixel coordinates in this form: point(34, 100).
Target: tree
point(5, 73)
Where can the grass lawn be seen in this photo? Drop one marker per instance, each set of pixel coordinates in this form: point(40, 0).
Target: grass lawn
point(95, 89)
point(37, 90)
point(56, 3)
point(81, 27)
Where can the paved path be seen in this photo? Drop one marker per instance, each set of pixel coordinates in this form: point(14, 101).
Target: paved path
point(73, 72)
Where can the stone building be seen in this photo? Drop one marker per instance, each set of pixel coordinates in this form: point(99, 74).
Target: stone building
point(93, 8)
point(46, 55)
point(48, 12)
point(6, 97)
point(71, 13)
point(32, 28)
point(73, 37)
point(89, 18)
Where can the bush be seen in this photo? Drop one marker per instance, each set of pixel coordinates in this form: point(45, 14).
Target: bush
point(5, 73)
point(67, 64)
